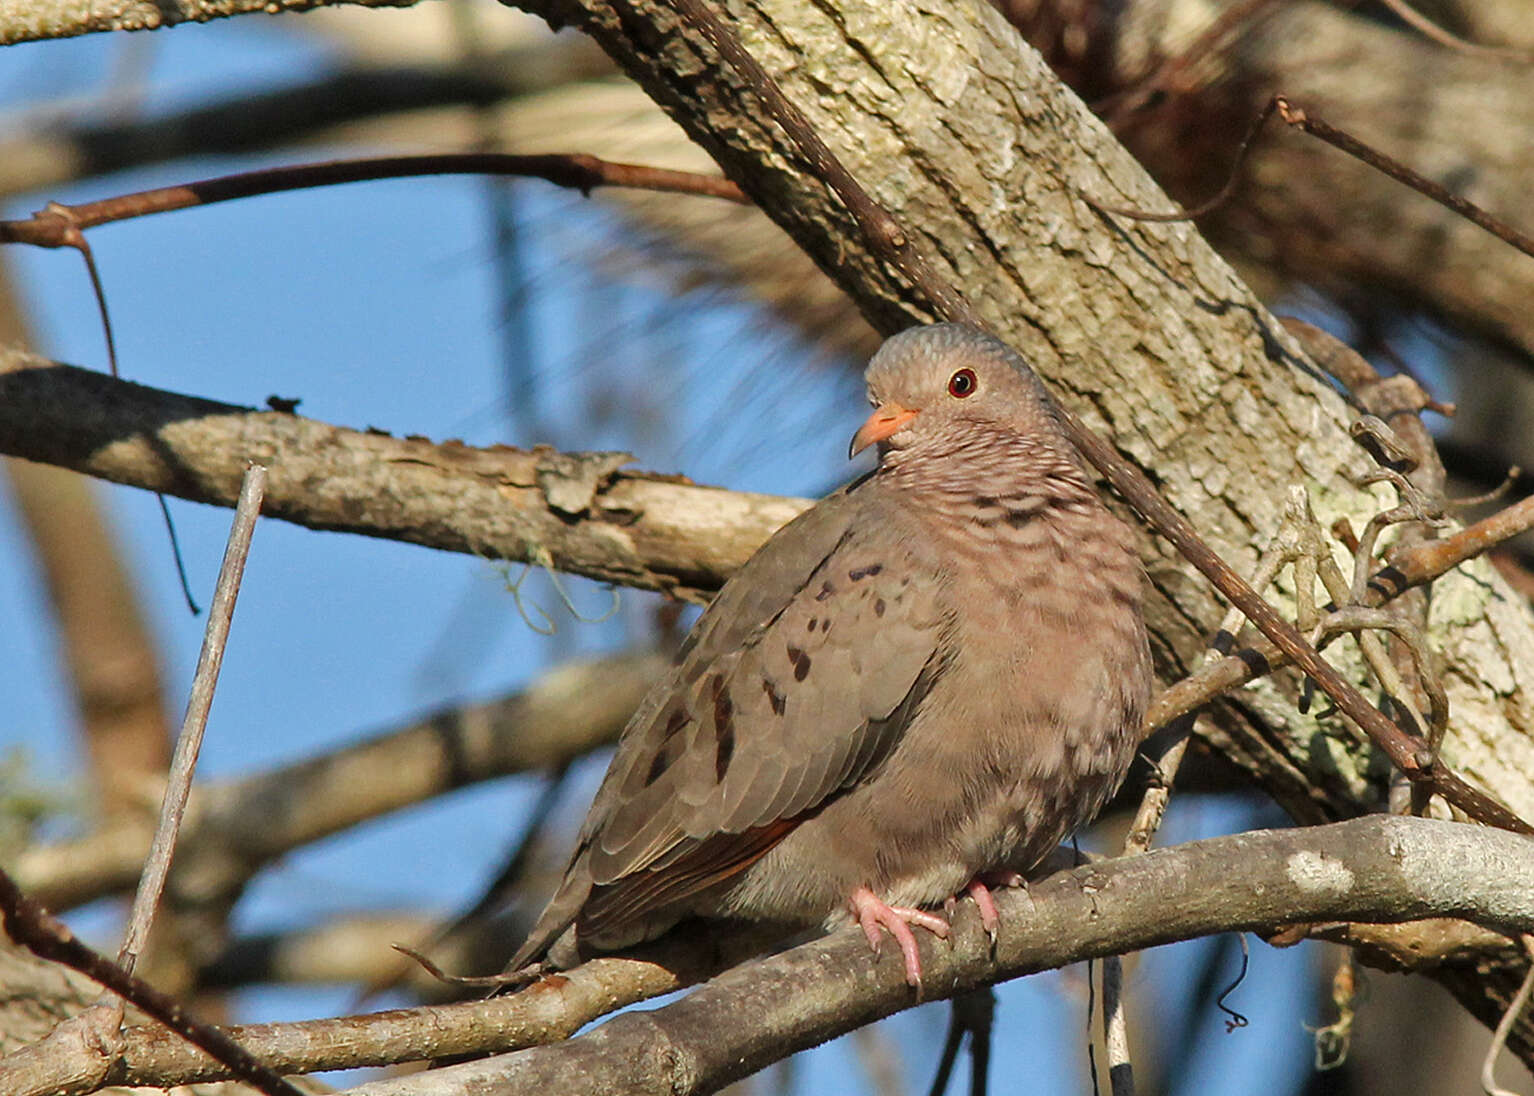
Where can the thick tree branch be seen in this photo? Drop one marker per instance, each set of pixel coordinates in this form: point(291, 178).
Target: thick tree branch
point(1376, 869)
point(573, 512)
point(570, 711)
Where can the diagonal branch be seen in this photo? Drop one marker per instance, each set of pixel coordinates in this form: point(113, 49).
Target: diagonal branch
point(30, 925)
point(573, 709)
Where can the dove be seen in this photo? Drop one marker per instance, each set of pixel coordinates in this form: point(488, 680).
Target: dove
point(912, 692)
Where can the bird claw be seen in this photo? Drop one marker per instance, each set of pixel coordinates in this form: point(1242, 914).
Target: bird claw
point(873, 913)
point(979, 889)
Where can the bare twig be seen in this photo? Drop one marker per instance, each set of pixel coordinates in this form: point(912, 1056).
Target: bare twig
point(1209, 205)
point(1121, 1077)
point(1429, 29)
point(189, 742)
point(1316, 127)
point(35, 929)
point(1515, 1009)
point(61, 226)
point(1404, 570)
point(1425, 562)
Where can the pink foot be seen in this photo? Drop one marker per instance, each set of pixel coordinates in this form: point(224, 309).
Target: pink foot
point(979, 889)
point(872, 913)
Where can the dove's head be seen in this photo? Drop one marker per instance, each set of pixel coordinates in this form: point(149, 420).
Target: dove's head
point(942, 385)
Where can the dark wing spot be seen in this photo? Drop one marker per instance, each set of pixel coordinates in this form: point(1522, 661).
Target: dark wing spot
point(878, 606)
point(859, 573)
point(813, 624)
point(724, 727)
point(724, 742)
point(826, 590)
point(670, 747)
point(801, 663)
point(665, 757)
point(679, 719)
point(778, 701)
point(724, 707)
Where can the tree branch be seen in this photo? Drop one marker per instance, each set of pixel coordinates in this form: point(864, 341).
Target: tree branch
point(59, 225)
point(574, 512)
point(1378, 869)
point(33, 927)
point(570, 711)
point(46, 19)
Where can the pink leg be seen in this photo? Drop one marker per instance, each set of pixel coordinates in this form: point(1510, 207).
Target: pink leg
point(872, 913)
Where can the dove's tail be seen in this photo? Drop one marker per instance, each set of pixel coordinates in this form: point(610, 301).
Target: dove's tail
point(557, 916)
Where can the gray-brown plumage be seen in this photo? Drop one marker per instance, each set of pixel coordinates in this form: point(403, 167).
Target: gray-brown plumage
point(921, 685)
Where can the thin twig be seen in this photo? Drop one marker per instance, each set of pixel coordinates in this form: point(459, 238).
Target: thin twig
point(1301, 119)
point(1121, 1076)
point(1509, 481)
point(40, 932)
point(1429, 29)
point(1405, 570)
point(1505, 1026)
point(1221, 196)
point(189, 742)
point(1419, 565)
point(58, 225)
point(1153, 804)
point(1316, 127)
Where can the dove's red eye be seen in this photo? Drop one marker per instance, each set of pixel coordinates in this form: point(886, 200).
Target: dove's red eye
point(962, 384)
